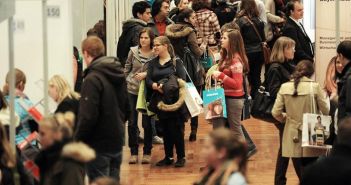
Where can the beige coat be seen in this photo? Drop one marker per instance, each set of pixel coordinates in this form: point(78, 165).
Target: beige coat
point(289, 110)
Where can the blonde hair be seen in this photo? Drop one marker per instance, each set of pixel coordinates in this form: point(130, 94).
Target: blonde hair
point(280, 45)
point(63, 88)
point(59, 122)
point(165, 41)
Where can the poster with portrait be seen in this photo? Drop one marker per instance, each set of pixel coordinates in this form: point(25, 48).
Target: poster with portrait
point(315, 130)
point(214, 103)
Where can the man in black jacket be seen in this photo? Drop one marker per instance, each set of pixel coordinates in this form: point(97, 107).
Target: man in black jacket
point(295, 30)
point(336, 168)
point(102, 109)
point(344, 85)
point(131, 29)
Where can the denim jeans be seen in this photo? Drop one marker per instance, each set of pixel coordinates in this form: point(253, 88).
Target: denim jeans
point(105, 165)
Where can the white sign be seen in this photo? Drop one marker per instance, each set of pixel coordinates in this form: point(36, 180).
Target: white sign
point(326, 32)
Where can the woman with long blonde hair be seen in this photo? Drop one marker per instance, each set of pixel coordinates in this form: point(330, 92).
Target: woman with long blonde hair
point(61, 92)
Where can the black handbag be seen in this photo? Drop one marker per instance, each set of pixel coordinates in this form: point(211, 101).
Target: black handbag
point(194, 68)
point(262, 106)
point(246, 112)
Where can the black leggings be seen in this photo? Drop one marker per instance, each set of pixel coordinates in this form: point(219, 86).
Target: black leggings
point(256, 61)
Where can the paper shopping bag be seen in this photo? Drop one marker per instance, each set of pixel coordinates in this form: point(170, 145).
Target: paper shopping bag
point(315, 130)
point(193, 100)
point(214, 103)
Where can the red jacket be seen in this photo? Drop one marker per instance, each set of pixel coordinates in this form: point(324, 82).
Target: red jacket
point(232, 78)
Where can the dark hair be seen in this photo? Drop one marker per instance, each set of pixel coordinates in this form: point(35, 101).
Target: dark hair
point(344, 131)
point(150, 33)
point(319, 117)
point(248, 8)
point(3, 102)
point(76, 53)
point(201, 4)
point(344, 48)
point(156, 7)
point(290, 6)
point(235, 148)
point(303, 68)
point(140, 7)
point(184, 14)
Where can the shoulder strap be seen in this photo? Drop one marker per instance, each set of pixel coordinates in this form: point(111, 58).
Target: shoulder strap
point(255, 28)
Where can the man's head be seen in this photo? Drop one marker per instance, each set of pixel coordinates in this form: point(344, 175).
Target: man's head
point(142, 10)
point(160, 8)
point(344, 52)
point(344, 131)
point(92, 48)
point(294, 9)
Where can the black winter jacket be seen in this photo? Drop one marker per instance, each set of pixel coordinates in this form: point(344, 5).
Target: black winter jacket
point(103, 106)
point(69, 105)
point(158, 73)
point(251, 40)
point(183, 35)
point(332, 170)
point(344, 91)
point(277, 74)
point(64, 164)
point(129, 37)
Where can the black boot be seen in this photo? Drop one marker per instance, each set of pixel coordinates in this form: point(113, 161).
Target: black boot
point(180, 163)
point(192, 137)
point(165, 162)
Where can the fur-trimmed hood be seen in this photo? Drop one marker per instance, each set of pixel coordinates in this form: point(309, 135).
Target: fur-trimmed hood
point(78, 151)
point(176, 31)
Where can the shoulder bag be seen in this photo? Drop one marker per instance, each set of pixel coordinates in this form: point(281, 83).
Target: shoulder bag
point(265, 48)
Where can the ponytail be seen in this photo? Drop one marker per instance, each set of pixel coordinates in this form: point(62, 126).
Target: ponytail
point(303, 69)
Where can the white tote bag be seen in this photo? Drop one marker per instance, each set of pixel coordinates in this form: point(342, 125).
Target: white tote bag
point(316, 127)
point(193, 100)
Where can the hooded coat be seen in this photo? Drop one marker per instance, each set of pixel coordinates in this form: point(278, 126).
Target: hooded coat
point(103, 106)
point(184, 35)
point(63, 164)
point(129, 37)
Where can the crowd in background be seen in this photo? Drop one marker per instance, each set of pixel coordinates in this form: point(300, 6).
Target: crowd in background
point(164, 46)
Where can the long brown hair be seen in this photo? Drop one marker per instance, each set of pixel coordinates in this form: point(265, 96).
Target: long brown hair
point(236, 46)
point(248, 8)
point(8, 157)
point(20, 81)
point(303, 69)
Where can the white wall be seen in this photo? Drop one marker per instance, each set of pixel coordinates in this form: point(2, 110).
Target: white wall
point(28, 44)
point(86, 13)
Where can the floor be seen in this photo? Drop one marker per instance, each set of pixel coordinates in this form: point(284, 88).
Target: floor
point(260, 167)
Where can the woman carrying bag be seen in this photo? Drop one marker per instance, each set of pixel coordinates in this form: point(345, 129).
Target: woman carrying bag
point(183, 38)
point(231, 69)
point(279, 72)
point(135, 71)
point(293, 100)
point(165, 99)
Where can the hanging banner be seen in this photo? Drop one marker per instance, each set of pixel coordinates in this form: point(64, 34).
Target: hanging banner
point(326, 41)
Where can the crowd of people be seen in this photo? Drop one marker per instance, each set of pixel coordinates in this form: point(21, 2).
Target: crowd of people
point(162, 48)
